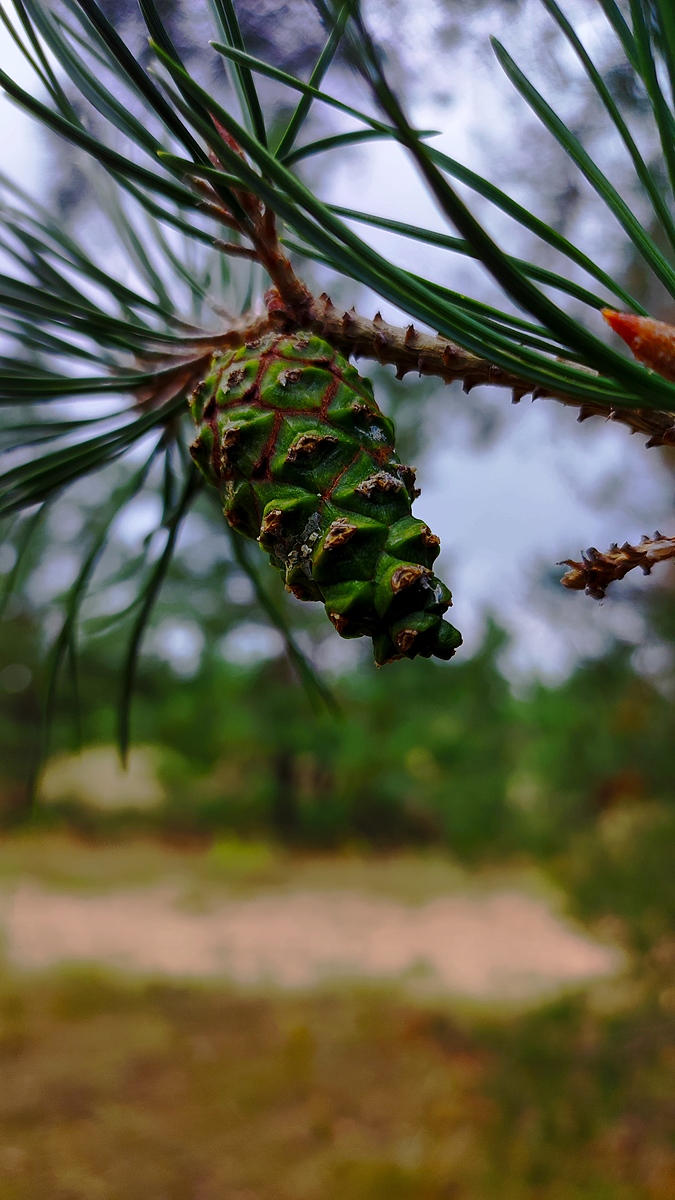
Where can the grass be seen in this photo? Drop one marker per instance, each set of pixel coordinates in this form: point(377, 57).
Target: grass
point(119, 1089)
point(235, 866)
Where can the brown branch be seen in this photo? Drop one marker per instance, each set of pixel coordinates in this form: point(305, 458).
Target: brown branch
point(290, 302)
point(596, 571)
point(294, 301)
point(237, 251)
point(410, 350)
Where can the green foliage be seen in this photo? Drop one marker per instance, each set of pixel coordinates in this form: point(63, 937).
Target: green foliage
point(578, 774)
point(431, 754)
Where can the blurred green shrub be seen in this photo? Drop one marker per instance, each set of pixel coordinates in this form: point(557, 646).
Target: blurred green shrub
point(422, 753)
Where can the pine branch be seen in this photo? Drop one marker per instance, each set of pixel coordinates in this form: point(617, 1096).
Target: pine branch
point(596, 571)
point(236, 251)
point(410, 350)
point(258, 224)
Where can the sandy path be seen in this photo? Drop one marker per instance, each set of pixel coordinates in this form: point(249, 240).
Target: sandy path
point(502, 944)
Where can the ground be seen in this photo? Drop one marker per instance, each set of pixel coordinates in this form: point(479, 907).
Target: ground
point(121, 1085)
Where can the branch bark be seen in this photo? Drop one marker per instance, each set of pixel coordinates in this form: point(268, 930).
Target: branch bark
point(410, 350)
point(596, 570)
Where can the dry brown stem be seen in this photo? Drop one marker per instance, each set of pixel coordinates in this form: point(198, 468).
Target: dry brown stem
point(596, 571)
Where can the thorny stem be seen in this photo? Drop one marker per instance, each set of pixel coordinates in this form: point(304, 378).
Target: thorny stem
point(596, 571)
point(406, 350)
point(410, 350)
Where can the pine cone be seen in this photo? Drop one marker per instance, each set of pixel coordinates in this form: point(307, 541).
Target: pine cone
point(304, 459)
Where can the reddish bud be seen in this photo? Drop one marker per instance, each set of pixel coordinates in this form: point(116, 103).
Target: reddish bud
point(652, 342)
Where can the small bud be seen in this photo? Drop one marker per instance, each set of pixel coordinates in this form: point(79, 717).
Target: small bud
point(652, 342)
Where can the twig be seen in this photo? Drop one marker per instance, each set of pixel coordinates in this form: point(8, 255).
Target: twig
point(294, 299)
point(596, 571)
point(410, 350)
point(237, 251)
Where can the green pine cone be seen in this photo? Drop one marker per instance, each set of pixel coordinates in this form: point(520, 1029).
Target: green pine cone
point(293, 438)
